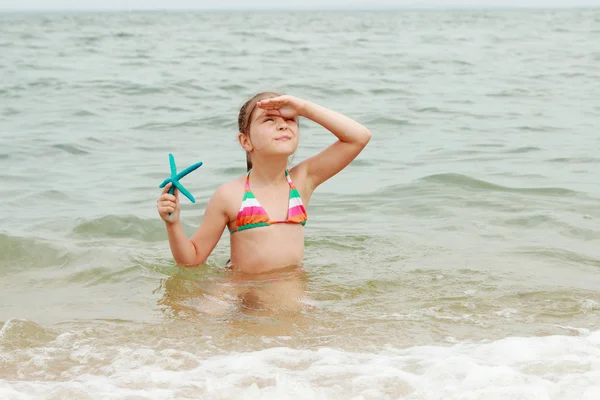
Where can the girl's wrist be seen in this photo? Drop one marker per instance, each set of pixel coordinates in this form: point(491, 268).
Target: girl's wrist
point(306, 109)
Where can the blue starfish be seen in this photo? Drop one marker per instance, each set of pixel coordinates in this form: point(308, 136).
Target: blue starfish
point(175, 177)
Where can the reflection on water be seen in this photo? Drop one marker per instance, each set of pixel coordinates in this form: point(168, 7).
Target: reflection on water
point(272, 303)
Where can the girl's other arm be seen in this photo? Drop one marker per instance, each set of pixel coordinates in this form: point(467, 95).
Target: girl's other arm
point(352, 139)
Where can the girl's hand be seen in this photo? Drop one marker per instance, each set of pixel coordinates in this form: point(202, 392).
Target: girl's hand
point(283, 106)
point(168, 203)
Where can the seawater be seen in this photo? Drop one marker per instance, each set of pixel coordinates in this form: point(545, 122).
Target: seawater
point(457, 258)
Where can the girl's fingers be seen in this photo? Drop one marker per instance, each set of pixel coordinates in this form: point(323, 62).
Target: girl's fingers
point(271, 104)
point(272, 107)
point(167, 197)
point(167, 187)
point(278, 98)
point(164, 205)
point(166, 190)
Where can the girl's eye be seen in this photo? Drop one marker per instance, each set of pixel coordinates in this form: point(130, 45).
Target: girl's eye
point(268, 119)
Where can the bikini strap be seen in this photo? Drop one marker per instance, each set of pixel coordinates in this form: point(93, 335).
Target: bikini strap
point(247, 184)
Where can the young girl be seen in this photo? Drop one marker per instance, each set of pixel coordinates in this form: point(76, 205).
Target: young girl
point(265, 209)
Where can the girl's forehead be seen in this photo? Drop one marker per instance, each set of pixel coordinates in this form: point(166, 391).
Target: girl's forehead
point(257, 113)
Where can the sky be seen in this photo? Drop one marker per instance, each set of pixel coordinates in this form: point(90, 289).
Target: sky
point(275, 4)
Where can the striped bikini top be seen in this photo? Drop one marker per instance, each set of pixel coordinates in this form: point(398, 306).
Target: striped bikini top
point(253, 215)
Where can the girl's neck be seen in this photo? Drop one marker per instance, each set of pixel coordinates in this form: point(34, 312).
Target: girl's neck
point(269, 172)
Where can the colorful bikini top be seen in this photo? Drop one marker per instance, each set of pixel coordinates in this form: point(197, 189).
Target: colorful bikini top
point(253, 215)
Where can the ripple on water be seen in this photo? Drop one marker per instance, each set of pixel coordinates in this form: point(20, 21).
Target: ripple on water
point(20, 253)
point(73, 149)
point(18, 333)
point(559, 254)
point(467, 182)
point(130, 227)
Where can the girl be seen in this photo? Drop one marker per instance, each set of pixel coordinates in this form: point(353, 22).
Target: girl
point(267, 229)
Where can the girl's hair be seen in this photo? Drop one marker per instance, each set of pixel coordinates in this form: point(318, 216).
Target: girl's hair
point(245, 117)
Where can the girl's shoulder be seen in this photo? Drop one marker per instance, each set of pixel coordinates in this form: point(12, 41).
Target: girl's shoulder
point(230, 193)
point(235, 183)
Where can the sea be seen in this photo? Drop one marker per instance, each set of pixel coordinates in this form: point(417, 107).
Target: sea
point(457, 258)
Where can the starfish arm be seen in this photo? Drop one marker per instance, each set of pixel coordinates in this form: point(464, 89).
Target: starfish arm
point(172, 165)
point(188, 170)
point(184, 191)
point(164, 183)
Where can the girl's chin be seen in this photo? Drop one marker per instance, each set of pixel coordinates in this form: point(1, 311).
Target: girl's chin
point(282, 152)
point(284, 146)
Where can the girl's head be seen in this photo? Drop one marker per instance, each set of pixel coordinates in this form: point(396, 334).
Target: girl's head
point(263, 133)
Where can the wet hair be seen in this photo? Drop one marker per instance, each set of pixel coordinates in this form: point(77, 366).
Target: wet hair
point(245, 117)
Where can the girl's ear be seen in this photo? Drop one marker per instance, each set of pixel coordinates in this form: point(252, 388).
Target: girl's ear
point(245, 142)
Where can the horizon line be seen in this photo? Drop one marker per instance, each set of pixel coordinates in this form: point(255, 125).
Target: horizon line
point(271, 9)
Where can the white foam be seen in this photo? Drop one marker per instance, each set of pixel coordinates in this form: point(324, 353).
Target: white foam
point(507, 312)
point(555, 367)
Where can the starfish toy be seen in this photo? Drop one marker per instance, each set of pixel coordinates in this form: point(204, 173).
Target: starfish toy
point(175, 177)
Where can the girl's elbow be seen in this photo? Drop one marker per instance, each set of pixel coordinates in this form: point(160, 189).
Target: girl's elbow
point(365, 137)
point(190, 263)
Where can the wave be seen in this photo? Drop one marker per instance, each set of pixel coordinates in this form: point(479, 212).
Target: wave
point(467, 182)
point(217, 120)
point(103, 363)
point(130, 227)
point(575, 160)
point(71, 149)
point(386, 120)
point(561, 255)
point(10, 111)
point(20, 253)
point(104, 275)
point(429, 183)
point(521, 150)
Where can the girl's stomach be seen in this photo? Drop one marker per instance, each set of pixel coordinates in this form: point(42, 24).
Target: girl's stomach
point(267, 248)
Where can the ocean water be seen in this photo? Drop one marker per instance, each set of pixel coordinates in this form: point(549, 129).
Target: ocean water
point(457, 258)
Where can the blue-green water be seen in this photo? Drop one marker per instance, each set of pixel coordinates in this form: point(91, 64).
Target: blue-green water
point(457, 258)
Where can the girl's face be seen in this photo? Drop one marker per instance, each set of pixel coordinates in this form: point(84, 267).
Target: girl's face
point(271, 135)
